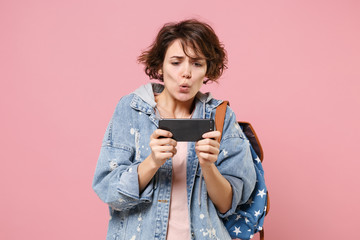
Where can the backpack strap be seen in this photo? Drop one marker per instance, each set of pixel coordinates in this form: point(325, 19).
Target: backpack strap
point(253, 138)
point(262, 234)
point(220, 117)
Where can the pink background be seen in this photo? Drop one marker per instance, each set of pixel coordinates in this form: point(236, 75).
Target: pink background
point(294, 71)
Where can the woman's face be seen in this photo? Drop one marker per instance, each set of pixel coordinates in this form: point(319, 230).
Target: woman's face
point(183, 76)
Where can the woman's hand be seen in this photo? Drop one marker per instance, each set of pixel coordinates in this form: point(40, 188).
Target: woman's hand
point(161, 148)
point(207, 149)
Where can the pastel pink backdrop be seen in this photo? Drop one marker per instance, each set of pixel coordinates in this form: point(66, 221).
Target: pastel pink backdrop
point(293, 72)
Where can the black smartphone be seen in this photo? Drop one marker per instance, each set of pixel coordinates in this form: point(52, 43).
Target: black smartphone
point(187, 130)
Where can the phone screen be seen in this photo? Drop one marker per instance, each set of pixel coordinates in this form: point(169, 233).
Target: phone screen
point(187, 130)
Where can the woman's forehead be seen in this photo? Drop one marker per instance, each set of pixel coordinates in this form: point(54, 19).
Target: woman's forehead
point(180, 49)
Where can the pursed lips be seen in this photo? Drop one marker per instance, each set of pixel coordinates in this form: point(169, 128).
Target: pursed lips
point(184, 88)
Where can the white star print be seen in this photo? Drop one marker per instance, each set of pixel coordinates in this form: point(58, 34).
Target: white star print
point(225, 153)
point(257, 213)
point(237, 230)
point(261, 193)
point(257, 160)
point(246, 220)
point(237, 217)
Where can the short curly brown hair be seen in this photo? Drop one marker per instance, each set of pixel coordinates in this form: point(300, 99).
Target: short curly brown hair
point(199, 36)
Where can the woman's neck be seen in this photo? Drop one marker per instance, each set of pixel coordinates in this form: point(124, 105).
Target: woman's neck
point(171, 108)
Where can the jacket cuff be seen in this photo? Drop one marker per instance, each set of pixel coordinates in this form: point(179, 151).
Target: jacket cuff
point(237, 187)
point(132, 190)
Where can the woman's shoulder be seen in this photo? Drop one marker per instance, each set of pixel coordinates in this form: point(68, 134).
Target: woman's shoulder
point(215, 103)
point(141, 99)
point(124, 103)
point(231, 127)
point(132, 103)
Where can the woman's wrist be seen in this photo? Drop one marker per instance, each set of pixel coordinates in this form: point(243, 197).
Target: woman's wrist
point(208, 168)
point(146, 171)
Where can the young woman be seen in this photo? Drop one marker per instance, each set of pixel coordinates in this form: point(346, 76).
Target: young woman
point(158, 188)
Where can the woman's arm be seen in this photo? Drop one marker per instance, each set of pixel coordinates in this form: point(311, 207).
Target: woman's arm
point(218, 188)
point(116, 175)
point(227, 169)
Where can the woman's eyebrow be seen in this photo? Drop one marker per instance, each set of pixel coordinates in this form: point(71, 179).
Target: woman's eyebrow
point(192, 59)
point(179, 57)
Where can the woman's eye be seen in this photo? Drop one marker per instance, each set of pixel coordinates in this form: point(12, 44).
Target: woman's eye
point(198, 64)
point(175, 63)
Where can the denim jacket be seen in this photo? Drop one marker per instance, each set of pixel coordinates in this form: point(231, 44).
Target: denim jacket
point(144, 215)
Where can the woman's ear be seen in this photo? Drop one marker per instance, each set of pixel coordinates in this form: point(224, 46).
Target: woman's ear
point(160, 74)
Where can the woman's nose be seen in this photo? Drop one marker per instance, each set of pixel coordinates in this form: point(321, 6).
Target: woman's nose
point(187, 71)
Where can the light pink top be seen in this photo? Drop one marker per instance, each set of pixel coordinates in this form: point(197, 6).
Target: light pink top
point(179, 226)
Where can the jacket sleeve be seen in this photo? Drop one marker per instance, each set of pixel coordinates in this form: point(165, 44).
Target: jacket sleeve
point(235, 162)
point(116, 178)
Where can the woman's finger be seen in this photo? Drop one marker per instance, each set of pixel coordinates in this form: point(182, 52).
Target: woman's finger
point(208, 149)
point(165, 141)
point(212, 134)
point(161, 133)
point(166, 148)
point(208, 141)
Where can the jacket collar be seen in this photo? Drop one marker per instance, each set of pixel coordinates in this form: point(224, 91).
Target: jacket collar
point(144, 99)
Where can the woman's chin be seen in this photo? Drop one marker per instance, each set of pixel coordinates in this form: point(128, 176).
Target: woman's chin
point(185, 97)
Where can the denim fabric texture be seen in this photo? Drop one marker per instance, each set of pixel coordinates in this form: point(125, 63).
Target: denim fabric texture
point(144, 216)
